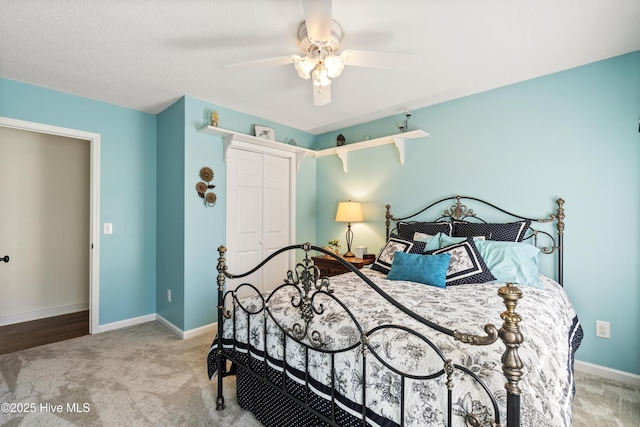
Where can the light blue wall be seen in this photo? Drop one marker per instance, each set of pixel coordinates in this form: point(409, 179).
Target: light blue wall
point(204, 226)
point(572, 134)
point(127, 194)
point(170, 210)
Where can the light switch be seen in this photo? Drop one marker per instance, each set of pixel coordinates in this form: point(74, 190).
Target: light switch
point(108, 228)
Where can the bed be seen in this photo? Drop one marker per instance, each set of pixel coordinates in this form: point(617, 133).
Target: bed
point(410, 341)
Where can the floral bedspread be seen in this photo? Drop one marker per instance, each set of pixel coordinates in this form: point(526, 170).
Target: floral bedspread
point(549, 324)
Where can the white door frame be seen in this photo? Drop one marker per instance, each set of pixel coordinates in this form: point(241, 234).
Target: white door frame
point(94, 200)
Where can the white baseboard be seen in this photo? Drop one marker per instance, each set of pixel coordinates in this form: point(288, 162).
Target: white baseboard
point(173, 328)
point(609, 373)
point(211, 328)
point(127, 322)
point(27, 316)
point(206, 329)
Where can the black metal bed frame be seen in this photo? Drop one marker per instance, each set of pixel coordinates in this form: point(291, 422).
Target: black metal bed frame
point(306, 284)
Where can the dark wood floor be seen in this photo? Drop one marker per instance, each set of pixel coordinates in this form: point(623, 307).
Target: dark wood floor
point(44, 331)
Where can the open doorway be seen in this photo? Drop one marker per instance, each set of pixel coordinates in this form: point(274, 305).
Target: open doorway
point(88, 223)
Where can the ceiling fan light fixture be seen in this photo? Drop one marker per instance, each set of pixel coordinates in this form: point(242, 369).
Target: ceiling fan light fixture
point(304, 66)
point(334, 65)
point(320, 76)
point(320, 64)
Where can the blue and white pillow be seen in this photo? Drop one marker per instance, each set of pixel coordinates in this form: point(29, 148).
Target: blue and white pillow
point(466, 264)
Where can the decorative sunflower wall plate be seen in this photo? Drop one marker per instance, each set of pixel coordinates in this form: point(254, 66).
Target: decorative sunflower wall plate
point(206, 174)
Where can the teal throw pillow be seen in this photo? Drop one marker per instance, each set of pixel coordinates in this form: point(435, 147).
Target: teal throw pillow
point(427, 269)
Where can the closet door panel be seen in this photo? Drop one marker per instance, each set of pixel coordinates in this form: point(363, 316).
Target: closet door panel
point(276, 202)
point(276, 221)
point(244, 220)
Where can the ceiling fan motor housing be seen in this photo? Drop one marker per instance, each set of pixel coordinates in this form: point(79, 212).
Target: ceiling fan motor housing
point(309, 45)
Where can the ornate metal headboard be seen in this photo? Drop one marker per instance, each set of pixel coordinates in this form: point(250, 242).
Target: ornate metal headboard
point(459, 212)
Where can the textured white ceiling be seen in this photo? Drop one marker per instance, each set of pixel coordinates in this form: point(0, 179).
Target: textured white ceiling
point(145, 54)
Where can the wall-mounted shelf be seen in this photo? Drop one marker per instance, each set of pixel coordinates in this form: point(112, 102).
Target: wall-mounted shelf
point(230, 137)
point(398, 139)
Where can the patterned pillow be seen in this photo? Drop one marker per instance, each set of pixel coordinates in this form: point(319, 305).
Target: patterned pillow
point(406, 230)
point(385, 258)
point(503, 232)
point(418, 247)
point(466, 265)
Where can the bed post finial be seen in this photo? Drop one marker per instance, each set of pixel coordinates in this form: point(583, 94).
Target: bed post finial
point(387, 221)
point(560, 216)
point(511, 362)
point(512, 337)
point(222, 267)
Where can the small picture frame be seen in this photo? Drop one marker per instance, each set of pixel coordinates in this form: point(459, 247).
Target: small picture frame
point(265, 132)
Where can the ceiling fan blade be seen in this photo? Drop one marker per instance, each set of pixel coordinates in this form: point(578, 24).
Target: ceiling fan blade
point(321, 95)
point(261, 63)
point(317, 15)
point(389, 61)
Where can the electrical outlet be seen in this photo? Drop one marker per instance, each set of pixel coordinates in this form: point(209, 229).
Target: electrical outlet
point(169, 295)
point(603, 329)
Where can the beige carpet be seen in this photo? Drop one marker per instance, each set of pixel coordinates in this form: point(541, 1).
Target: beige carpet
point(605, 403)
point(145, 376)
point(138, 376)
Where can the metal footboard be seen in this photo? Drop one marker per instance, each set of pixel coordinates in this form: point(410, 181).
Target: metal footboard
point(309, 296)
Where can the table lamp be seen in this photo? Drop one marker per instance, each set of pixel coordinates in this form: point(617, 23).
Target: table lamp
point(349, 212)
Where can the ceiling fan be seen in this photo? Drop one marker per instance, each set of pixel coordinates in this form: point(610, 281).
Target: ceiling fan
point(319, 36)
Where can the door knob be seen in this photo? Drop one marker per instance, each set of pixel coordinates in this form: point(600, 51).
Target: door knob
point(5, 258)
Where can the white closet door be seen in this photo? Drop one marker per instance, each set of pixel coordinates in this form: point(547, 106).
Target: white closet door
point(258, 216)
point(244, 215)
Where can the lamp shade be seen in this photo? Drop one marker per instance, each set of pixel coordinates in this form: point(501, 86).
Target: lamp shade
point(349, 212)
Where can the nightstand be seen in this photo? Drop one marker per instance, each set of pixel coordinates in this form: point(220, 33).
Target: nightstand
point(330, 267)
